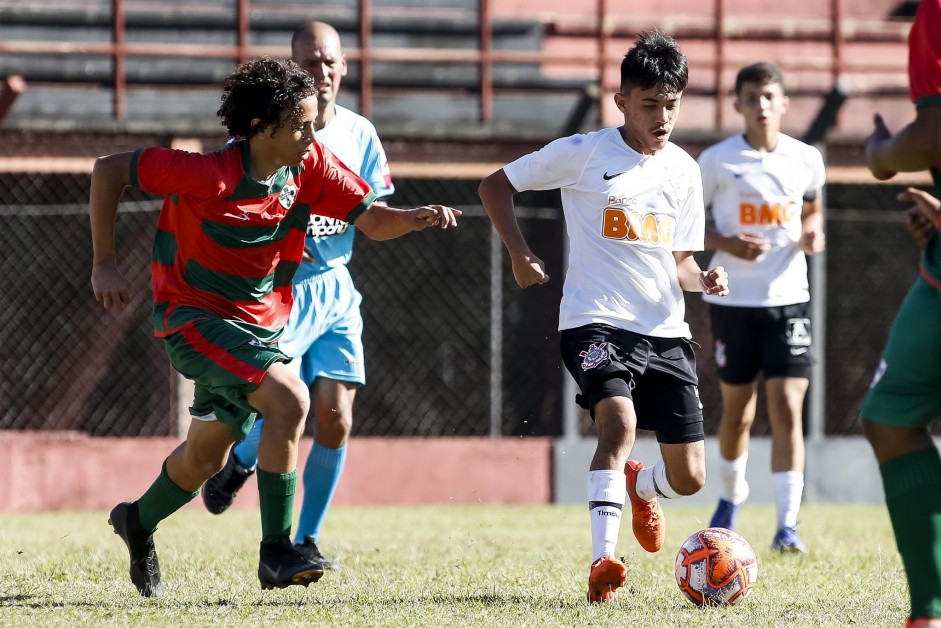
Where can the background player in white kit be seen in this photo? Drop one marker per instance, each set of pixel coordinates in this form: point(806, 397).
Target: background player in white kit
point(764, 188)
point(324, 333)
point(634, 214)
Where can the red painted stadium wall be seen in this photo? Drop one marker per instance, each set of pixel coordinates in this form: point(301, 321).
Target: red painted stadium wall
point(67, 471)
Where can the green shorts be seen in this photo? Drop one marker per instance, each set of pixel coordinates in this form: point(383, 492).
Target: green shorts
point(226, 363)
point(906, 389)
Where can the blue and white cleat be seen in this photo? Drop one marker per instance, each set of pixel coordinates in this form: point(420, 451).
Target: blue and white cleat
point(787, 541)
point(725, 516)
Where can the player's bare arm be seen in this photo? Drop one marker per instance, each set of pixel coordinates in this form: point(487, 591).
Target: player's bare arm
point(812, 239)
point(496, 193)
point(745, 245)
point(692, 278)
point(308, 255)
point(110, 175)
point(915, 148)
point(381, 222)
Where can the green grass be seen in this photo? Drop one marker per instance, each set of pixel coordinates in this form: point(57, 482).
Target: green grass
point(442, 566)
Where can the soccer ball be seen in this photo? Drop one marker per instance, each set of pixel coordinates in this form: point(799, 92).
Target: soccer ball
point(716, 567)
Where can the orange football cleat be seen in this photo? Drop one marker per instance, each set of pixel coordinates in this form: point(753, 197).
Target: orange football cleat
point(606, 577)
point(923, 622)
point(649, 526)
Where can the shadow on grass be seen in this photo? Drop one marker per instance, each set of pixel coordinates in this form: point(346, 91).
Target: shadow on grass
point(35, 602)
point(489, 600)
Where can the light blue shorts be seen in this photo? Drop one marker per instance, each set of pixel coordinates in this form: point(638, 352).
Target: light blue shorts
point(325, 330)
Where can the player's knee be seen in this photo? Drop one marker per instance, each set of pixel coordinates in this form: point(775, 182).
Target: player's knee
point(334, 428)
point(290, 407)
point(870, 430)
point(689, 482)
point(334, 418)
point(343, 425)
point(738, 424)
point(204, 462)
point(337, 417)
point(890, 442)
point(884, 442)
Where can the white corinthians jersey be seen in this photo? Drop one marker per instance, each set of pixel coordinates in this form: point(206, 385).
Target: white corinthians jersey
point(762, 193)
point(625, 214)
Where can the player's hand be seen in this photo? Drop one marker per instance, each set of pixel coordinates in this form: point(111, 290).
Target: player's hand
point(110, 286)
point(880, 134)
point(918, 227)
point(923, 215)
point(812, 241)
point(435, 215)
point(715, 282)
point(747, 245)
point(528, 270)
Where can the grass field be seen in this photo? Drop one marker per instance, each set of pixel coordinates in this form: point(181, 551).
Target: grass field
point(442, 566)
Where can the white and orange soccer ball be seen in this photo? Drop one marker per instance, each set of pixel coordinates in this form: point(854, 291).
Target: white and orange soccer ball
point(716, 567)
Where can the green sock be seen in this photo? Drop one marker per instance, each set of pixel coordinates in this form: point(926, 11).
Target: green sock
point(161, 500)
point(276, 499)
point(913, 495)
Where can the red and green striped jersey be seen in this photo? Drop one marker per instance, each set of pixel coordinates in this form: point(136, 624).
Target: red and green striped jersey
point(924, 79)
point(228, 245)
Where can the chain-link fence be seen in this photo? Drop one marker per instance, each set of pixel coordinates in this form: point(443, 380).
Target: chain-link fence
point(453, 346)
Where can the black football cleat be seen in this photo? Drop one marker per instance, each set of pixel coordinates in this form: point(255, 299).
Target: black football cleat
point(311, 551)
point(281, 565)
point(145, 569)
point(220, 490)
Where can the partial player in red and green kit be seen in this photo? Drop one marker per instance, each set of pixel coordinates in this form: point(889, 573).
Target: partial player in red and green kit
point(905, 396)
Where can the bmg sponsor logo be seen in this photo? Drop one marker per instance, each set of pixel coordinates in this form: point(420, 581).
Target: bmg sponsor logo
point(624, 224)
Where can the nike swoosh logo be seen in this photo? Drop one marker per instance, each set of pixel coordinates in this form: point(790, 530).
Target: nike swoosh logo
point(608, 177)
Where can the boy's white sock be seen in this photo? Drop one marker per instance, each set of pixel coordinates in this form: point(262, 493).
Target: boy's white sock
point(607, 491)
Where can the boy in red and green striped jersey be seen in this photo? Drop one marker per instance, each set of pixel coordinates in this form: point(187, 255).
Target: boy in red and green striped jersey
point(905, 396)
point(229, 239)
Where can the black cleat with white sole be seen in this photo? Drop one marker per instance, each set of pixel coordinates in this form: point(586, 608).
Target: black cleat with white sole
point(281, 565)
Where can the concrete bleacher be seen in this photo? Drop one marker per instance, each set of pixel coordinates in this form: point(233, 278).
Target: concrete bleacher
point(76, 86)
point(438, 98)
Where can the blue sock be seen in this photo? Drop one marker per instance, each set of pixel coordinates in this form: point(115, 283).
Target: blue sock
point(246, 452)
point(321, 476)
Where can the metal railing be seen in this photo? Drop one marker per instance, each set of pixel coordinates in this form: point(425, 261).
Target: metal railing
point(606, 25)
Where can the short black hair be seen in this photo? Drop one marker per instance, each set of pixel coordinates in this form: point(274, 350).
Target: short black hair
point(266, 89)
point(655, 61)
point(760, 73)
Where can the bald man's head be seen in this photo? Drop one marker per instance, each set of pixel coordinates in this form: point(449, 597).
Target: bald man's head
point(313, 31)
point(316, 47)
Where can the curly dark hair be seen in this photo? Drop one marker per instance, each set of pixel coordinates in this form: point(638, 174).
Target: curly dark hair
point(268, 89)
point(655, 61)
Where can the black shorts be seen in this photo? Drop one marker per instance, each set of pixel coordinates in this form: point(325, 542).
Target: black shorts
point(658, 374)
point(775, 341)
